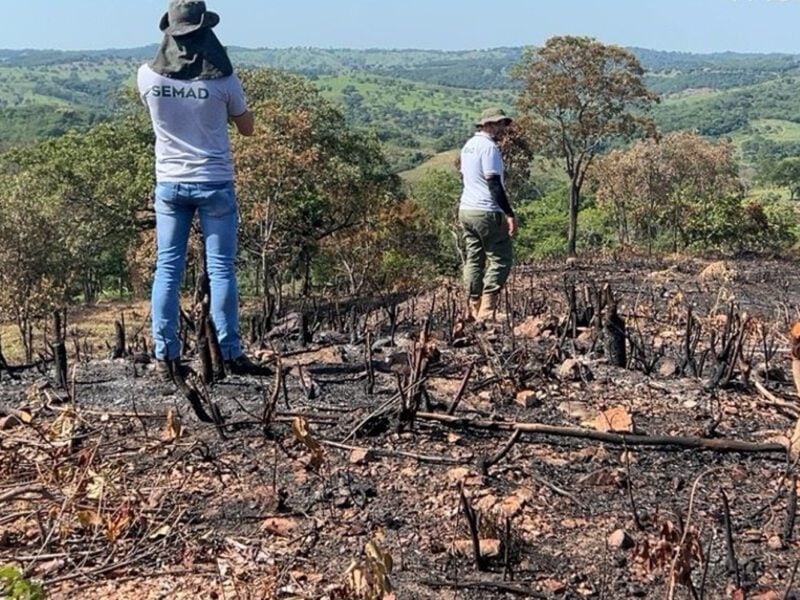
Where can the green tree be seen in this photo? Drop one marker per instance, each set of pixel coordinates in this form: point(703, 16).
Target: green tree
point(578, 95)
point(437, 194)
point(786, 173)
point(684, 191)
point(101, 180)
point(35, 268)
point(303, 177)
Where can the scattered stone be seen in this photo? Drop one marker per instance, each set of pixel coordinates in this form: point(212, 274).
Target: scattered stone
point(621, 539)
point(573, 370)
point(458, 474)
point(554, 586)
point(527, 399)
point(667, 367)
point(614, 419)
point(585, 339)
point(380, 343)
point(771, 595)
point(573, 408)
point(531, 327)
point(360, 456)
point(775, 543)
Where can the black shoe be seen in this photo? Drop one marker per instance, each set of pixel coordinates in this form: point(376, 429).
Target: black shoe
point(242, 365)
point(167, 371)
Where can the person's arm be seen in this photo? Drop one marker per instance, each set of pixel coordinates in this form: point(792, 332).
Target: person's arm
point(499, 195)
point(238, 111)
point(245, 123)
point(500, 198)
point(492, 165)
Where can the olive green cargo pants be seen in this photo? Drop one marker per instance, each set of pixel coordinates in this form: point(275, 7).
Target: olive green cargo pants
point(489, 253)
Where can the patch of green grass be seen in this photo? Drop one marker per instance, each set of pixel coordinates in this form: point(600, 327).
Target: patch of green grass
point(442, 160)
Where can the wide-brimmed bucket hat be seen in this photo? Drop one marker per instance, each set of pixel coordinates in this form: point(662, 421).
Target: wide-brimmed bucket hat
point(187, 16)
point(493, 115)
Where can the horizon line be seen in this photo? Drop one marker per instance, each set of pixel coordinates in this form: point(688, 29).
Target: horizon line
point(235, 47)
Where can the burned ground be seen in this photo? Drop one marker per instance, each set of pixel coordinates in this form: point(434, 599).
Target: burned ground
point(112, 488)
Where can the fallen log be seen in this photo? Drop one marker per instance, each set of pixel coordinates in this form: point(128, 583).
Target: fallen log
point(495, 587)
point(689, 443)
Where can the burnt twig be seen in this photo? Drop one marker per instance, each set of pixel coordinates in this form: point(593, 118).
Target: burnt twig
point(462, 388)
point(486, 462)
point(791, 511)
point(472, 522)
point(731, 563)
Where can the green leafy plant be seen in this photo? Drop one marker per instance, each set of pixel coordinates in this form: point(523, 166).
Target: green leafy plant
point(16, 587)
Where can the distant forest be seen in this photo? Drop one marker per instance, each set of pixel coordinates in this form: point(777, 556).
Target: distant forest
point(419, 102)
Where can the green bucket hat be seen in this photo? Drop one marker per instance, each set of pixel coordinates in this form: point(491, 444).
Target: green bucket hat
point(187, 16)
point(493, 115)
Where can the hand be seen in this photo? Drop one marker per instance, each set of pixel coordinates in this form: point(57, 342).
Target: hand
point(512, 226)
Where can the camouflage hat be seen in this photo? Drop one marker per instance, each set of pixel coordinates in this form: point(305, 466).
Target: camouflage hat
point(187, 16)
point(493, 115)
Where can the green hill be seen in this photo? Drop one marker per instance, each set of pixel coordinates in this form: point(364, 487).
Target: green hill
point(420, 102)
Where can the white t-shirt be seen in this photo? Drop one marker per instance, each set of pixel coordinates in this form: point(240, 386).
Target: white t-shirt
point(190, 120)
point(480, 158)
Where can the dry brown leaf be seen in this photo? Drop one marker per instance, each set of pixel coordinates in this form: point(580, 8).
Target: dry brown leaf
point(554, 586)
point(526, 399)
point(458, 474)
point(173, 430)
point(614, 419)
point(486, 504)
point(512, 505)
point(738, 594)
point(360, 456)
point(280, 526)
point(602, 478)
point(302, 432)
point(117, 525)
point(89, 518)
point(490, 547)
point(531, 327)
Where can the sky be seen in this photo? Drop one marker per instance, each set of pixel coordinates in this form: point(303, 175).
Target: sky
point(680, 25)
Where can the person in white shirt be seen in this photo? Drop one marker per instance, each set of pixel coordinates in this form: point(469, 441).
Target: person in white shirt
point(192, 93)
point(487, 219)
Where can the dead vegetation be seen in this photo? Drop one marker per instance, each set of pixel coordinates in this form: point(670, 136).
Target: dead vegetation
point(628, 431)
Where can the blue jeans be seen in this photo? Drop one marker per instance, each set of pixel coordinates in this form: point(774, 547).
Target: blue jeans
point(176, 204)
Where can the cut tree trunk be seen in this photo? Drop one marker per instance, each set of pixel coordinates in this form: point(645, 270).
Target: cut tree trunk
point(119, 350)
point(59, 352)
point(574, 207)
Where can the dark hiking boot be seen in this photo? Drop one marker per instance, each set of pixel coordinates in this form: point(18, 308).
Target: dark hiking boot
point(167, 370)
point(243, 365)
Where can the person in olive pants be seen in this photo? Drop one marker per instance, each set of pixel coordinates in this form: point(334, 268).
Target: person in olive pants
point(487, 219)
